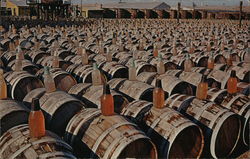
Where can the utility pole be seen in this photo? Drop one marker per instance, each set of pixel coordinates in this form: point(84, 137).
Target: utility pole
point(178, 12)
point(240, 18)
point(81, 8)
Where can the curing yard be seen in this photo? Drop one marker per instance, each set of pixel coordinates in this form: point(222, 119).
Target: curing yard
point(124, 88)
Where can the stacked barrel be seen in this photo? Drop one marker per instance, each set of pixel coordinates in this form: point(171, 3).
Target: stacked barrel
point(68, 69)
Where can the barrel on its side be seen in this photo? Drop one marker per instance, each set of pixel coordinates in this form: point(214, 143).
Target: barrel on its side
point(242, 73)
point(239, 104)
point(12, 114)
point(63, 80)
point(8, 56)
point(26, 66)
point(192, 78)
point(168, 129)
point(141, 66)
point(132, 89)
point(217, 79)
point(37, 55)
point(91, 96)
point(147, 77)
point(47, 61)
point(93, 135)
point(114, 70)
point(58, 107)
point(16, 143)
point(173, 85)
point(216, 122)
point(83, 74)
point(244, 88)
point(21, 83)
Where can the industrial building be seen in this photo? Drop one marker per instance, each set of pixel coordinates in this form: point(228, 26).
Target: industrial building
point(64, 8)
point(161, 10)
point(15, 8)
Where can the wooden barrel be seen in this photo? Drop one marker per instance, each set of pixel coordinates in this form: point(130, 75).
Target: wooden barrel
point(122, 55)
point(234, 56)
point(147, 77)
point(136, 110)
point(219, 58)
point(183, 134)
point(37, 55)
point(26, 66)
point(199, 59)
point(178, 60)
point(244, 88)
point(216, 95)
point(141, 54)
point(70, 57)
point(193, 78)
point(71, 69)
point(8, 56)
point(91, 96)
point(179, 101)
point(58, 107)
point(98, 58)
point(141, 66)
point(75, 59)
point(113, 70)
point(83, 74)
point(36, 93)
point(63, 53)
point(175, 73)
point(5, 44)
point(220, 66)
point(217, 79)
point(63, 80)
point(168, 129)
point(16, 143)
point(21, 83)
point(47, 61)
point(12, 114)
point(172, 85)
point(242, 73)
point(239, 104)
point(132, 89)
point(201, 70)
point(242, 54)
point(168, 64)
point(95, 136)
point(216, 122)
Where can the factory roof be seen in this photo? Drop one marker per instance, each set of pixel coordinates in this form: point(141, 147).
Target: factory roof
point(215, 8)
point(91, 6)
point(137, 5)
point(19, 3)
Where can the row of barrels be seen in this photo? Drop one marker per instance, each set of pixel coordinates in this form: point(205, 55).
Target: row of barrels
point(162, 132)
point(56, 119)
point(82, 73)
point(116, 136)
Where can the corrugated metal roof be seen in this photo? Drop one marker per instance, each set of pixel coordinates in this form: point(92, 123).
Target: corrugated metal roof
point(91, 6)
point(224, 8)
point(215, 8)
point(20, 3)
point(137, 5)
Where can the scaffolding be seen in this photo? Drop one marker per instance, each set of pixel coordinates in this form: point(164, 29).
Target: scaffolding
point(50, 9)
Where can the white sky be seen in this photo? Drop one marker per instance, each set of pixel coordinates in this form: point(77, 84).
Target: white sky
point(174, 2)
